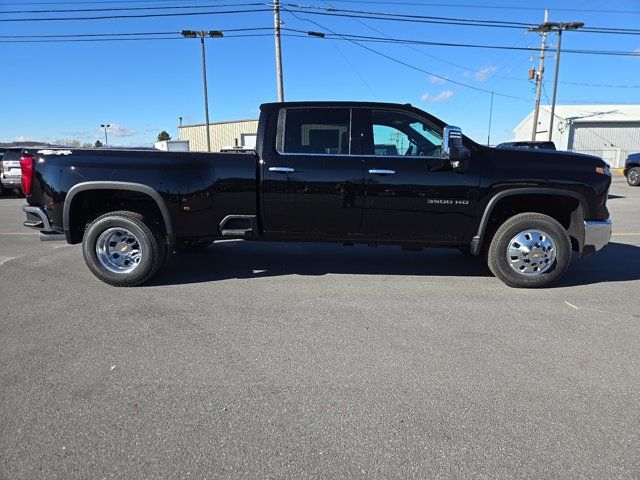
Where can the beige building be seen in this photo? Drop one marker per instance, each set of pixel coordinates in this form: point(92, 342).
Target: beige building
point(223, 135)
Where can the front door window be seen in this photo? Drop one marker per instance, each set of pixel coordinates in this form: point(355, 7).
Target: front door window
point(402, 134)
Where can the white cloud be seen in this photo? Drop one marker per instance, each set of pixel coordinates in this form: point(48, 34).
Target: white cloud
point(77, 134)
point(436, 80)
point(443, 95)
point(119, 131)
point(483, 74)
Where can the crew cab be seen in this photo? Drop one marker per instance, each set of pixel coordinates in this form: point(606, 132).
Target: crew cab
point(320, 173)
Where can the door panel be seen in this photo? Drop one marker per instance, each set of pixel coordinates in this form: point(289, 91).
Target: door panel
point(417, 204)
point(411, 193)
point(313, 187)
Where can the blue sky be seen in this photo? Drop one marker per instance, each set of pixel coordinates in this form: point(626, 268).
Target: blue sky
point(66, 90)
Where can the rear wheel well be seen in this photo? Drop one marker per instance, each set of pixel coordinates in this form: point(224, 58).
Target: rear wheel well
point(558, 207)
point(90, 204)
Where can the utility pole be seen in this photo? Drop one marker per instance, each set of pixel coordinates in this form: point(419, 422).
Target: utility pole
point(105, 127)
point(559, 28)
point(539, 77)
point(202, 34)
point(490, 116)
point(276, 25)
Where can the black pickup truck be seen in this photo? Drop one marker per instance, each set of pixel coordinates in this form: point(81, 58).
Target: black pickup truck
point(347, 172)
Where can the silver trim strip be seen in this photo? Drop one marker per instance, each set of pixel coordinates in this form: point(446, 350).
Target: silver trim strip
point(597, 233)
point(282, 169)
point(381, 171)
point(40, 213)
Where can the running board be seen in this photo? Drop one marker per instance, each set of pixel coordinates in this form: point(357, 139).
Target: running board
point(242, 226)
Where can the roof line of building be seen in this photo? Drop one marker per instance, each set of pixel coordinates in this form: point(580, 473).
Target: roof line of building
point(244, 120)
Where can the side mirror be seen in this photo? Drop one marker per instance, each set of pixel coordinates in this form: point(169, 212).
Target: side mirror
point(454, 149)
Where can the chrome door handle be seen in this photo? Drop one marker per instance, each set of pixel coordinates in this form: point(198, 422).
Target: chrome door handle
point(381, 171)
point(282, 169)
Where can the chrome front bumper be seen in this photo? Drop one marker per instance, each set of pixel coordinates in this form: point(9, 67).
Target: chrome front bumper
point(597, 234)
point(37, 218)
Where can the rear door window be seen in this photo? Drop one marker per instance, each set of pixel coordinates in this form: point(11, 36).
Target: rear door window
point(317, 131)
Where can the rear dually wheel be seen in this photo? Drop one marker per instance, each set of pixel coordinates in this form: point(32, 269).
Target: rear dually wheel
point(123, 248)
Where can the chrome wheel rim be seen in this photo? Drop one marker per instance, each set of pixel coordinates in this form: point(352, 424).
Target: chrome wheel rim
point(633, 176)
point(119, 250)
point(531, 252)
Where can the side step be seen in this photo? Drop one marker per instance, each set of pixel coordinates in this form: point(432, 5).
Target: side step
point(239, 226)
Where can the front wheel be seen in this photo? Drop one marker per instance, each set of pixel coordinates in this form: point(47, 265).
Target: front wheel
point(123, 249)
point(633, 176)
point(529, 250)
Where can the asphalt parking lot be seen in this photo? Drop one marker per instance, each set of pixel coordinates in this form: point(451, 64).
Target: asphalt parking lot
point(305, 361)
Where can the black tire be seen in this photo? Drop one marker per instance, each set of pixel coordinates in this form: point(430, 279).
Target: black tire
point(499, 263)
point(192, 246)
point(153, 245)
point(633, 176)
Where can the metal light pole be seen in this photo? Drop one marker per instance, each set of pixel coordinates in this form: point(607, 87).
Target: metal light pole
point(202, 34)
point(539, 77)
point(276, 25)
point(559, 28)
point(105, 127)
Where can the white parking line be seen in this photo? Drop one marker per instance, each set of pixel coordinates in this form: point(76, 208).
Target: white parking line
point(4, 260)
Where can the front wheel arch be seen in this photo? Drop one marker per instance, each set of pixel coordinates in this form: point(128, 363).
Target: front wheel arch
point(565, 206)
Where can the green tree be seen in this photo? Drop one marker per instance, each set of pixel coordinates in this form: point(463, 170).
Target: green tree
point(98, 144)
point(163, 136)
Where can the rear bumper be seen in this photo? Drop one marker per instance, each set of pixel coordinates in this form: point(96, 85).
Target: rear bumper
point(37, 219)
point(11, 182)
point(597, 233)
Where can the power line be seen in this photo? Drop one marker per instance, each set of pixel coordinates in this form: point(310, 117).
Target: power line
point(369, 38)
point(403, 17)
point(78, 40)
point(494, 7)
point(408, 65)
point(133, 9)
point(391, 40)
point(315, 10)
point(122, 34)
point(143, 15)
point(102, 2)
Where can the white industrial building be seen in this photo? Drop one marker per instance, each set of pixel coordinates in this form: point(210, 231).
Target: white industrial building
point(608, 131)
point(223, 135)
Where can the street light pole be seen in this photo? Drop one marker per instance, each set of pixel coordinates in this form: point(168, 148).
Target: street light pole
point(106, 126)
point(559, 28)
point(202, 34)
point(206, 96)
